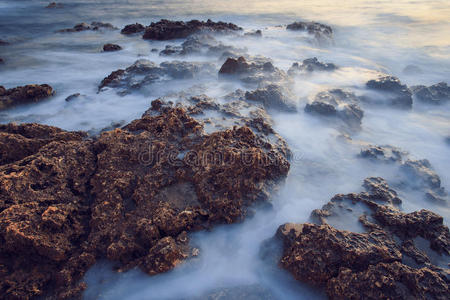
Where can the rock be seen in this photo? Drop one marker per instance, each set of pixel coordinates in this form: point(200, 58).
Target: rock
point(337, 103)
point(322, 33)
point(3, 43)
point(24, 94)
point(55, 5)
point(434, 94)
point(132, 29)
point(250, 292)
point(256, 33)
point(273, 97)
point(144, 72)
point(128, 196)
point(257, 70)
point(168, 30)
point(76, 96)
point(200, 43)
point(111, 47)
point(84, 26)
point(374, 264)
point(310, 65)
point(386, 153)
point(397, 94)
point(20, 141)
point(1, 60)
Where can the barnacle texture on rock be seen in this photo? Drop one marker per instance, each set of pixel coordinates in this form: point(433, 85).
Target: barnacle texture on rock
point(24, 94)
point(130, 195)
point(382, 263)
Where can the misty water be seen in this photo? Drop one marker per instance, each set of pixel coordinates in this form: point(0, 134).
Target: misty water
point(370, 38)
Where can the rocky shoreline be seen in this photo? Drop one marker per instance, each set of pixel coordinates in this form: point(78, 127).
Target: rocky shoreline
point(133, 194)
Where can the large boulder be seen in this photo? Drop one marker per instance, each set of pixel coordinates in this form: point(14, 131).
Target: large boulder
point(168, 30)
point(131, 196)
point(393, 92)
point(24, 94)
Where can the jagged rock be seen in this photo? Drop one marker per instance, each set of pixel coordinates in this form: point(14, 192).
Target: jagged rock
point(85, 26)
point(144, 72)
point(372, 264)
point(397, 94)
point(337, 103)
point(111, 47)
point(322, 33)
point(200, 43)
point(130, 195)
point(24, 94)
point(132, 29)
point(310, 65)
point(168, 30)
point(55, 5)
point(20, 141)
point(435, 94)
point(273, 97)
point(420, 174)
point(386, 153)
point(257, 70)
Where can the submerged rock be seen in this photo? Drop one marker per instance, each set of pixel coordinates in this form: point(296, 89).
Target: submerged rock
point(386, 153)
point(132, 29)
point(55, 5)
point(111, 47)
point(85, 26)
point(373, 264)
point(24, 94)
point(168, 30)
point(337, 103)
point(144, 72)
point(435, 94)
point(3, 43)
point(310, 65)
point(256, 33)
point(273, 97)
point(130, 195)
point(394, 92)
point(248, 292)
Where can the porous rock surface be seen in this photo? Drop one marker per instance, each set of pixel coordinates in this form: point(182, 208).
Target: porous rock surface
point(24, 94)
point(381, 263)
point(168, 30)
point(129, 195)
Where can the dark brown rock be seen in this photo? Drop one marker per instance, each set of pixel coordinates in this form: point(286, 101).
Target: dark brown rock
point(111, 47)
point(168, 30)
point(132, 29)
point(24, 94)
point(131, 196)
point(55, 5)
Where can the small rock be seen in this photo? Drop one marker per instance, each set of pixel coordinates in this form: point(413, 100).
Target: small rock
point(132, 29)
point(273, 97)
point(55, 5)
point(111, 47)
point(435, 94)
point(310, 65)
point(397, 94)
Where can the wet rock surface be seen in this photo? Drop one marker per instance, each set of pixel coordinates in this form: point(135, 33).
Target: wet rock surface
point(273, 97)
point(129, 195)
point(385, 153)
point(144, 72)
point(339, 104)
point(310, 65)
point(393, 92)
point(111, 47)
point(85, 26)
point(321, 32)
point(382, 262)
point(132, 29)
point(24, 94)
point(438, 93)
point(254, 70)
point(168, 30)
